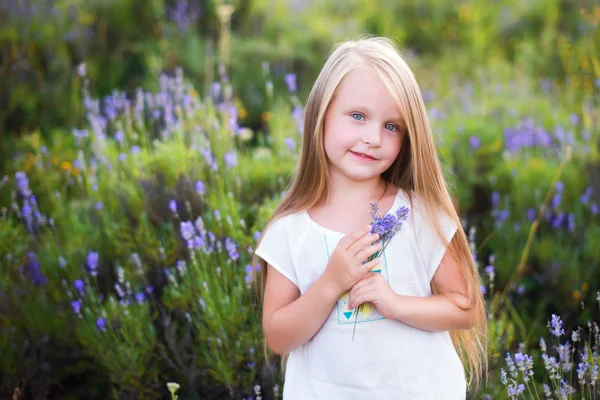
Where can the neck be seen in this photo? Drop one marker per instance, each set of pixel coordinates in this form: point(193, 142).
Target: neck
point(344, 190)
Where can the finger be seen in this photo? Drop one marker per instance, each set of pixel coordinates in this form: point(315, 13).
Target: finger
point(366, 268)
point(351, 238)
point(362, 282)
point(363, 242)
point(367, 252)
point(364, 297)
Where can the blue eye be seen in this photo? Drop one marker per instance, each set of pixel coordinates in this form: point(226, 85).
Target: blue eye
point(391, 127)
point(355, 115)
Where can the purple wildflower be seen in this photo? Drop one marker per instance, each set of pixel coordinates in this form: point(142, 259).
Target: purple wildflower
point(173, 206)
point(187, 230)
point(79, 285)
point(230, 159)
point(35, 273)
point(101, 324)
point(23, 184)
point(290, 143)
point(140, 297)
point(495, 198)
point(200, 188)
point(231, 249)
point(76, 306)
point(290, 80)
point(475, 142)
point(556, 200)
point(92, 263)
point(556, 324)
point(531, 214)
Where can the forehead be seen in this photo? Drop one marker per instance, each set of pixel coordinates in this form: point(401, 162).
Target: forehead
point(362, 87)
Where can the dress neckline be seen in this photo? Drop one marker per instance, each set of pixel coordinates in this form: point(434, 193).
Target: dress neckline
point(338, 233)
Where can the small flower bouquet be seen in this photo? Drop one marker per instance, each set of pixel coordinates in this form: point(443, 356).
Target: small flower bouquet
point(386, 226)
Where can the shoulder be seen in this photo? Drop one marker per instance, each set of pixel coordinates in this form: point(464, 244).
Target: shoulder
point(423, 220)
point(288, 224)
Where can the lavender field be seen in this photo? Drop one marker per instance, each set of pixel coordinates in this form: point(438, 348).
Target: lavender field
point(145, 144)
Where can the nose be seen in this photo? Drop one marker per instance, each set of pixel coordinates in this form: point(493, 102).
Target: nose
point(372, 135)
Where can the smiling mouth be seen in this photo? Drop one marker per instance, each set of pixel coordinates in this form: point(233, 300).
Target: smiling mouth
point(363, 156)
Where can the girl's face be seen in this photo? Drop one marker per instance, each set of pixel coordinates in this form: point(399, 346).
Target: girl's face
point(363, 127)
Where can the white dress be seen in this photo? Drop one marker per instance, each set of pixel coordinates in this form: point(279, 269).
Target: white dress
point(387, 359)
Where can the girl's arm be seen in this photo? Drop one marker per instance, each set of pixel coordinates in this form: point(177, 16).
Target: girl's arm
point(290, 320)
point(448, 310)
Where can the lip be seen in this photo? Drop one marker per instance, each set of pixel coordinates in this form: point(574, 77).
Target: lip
point(363, 156)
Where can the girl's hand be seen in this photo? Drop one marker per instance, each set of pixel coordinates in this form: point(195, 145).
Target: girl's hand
point(345, 266)
point(376, 290)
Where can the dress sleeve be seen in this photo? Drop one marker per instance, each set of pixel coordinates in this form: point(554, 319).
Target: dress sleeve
point(275, 249)
point(431, 247)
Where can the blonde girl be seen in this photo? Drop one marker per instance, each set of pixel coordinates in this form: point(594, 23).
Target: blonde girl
point(421, 331)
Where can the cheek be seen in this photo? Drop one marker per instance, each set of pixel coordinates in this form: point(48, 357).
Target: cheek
point(338, 137)
point(392, 147)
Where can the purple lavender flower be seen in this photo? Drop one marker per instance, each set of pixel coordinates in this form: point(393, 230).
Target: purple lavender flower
point(216, 89)
point(231, 249)
point(79, 285)
point(35, 273)
point(585, 197)
point(135, 150)
point(27, 213)
point(531, 214)
point(574, 119)
point(556, 200)
point(173, 206)
point(495, 198)
point(197, 243)
point(92, 263)
point(571, 222)
point(475, 142)
point(386, 227)
point(556, 324)
point(62, 262)
point(76, 306)
point(23, 184)
point(200, 188)
point(298, 116)
point(140, 297)
point(101, 324)
point(249, 271)
point(290, 80)
point(187, 230)
point(290, 143)
point(230, 159)
point(119, 136)
point(257, 236)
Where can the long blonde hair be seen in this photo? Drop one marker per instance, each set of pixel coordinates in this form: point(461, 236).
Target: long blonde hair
point(417, 170)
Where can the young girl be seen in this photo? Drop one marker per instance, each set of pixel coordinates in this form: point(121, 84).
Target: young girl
point(367, 140)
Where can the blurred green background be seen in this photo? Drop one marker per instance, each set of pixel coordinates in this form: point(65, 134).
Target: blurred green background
point(144, 144)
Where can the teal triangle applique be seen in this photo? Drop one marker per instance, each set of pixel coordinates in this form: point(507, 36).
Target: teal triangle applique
point(348, 314)
point(376, 270)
